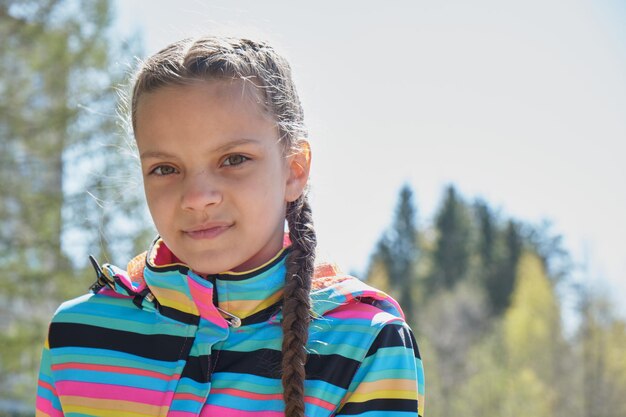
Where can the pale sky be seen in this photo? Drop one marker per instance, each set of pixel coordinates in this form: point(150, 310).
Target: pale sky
point(521, 103)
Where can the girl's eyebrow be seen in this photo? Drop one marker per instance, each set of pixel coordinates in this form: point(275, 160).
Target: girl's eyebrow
point(156, 154)
point(233, 144)
point(222, 148)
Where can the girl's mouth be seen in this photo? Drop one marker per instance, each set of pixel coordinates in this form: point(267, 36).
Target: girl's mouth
point(209, 232)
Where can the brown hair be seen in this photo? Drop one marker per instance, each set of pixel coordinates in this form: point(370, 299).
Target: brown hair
point(210, 58)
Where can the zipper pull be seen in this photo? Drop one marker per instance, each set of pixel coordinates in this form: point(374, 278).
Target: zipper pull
point(232, 320)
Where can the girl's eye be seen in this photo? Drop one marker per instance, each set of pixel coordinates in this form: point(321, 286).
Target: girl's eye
point(163, 170)
point(235, 159)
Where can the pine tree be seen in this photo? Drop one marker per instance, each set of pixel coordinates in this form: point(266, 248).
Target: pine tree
point(398, 251)
point(488, 228)
point(452, 251)
point(500, 277)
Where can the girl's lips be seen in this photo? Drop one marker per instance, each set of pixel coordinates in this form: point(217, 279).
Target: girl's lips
point(208, 233)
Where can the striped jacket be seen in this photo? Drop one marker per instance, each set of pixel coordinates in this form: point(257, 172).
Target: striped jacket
point(159, 340)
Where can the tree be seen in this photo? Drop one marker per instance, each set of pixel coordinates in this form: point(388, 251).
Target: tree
point(494, 389)
point(549, 247)
point(532, 328)
point(398, 252)
point(500, 275)
point(488, 229)
point(602, 338)
point(58, 85)
point(512, 357)
point(452, 322)
point(377, 275)
point(514, 368)
point(452, 251)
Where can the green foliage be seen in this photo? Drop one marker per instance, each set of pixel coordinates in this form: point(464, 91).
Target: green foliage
point(499, 249)
point(532, 323)
point(452, 252)
point(398, 252)
point(494, 389)
point(58, 80)
point(602, 338)
point(451, 323)
point(488, 319)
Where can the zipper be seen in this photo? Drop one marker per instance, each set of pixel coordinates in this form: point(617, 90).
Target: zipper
point(231, 319)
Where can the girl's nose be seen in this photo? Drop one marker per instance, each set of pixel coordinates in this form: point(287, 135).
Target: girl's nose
point(200, 192)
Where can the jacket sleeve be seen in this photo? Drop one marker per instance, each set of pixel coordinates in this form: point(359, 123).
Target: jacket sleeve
point(390, 380)
point(47, 404)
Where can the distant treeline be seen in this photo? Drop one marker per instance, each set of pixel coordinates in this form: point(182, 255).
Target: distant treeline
point(482, 292)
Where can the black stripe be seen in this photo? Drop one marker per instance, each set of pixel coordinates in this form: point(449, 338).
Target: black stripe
point(416, 350)
point(197, 368)
point(183, 269)
point(334, 369)
point(262, 362)
point(153, 346)
point(178, 315)
point(393, 335)
point(263, 315)
point(381, 404)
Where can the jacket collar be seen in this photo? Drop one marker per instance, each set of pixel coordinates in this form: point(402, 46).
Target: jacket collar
point(157, 278)
point(229, 295)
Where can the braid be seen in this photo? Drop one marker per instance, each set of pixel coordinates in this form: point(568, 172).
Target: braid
point(296, 304)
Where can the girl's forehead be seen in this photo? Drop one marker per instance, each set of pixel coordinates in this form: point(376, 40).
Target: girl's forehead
point(236, 96)
point(203, 113)
point(228, 90)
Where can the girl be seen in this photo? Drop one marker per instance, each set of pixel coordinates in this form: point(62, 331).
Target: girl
point(225, 314)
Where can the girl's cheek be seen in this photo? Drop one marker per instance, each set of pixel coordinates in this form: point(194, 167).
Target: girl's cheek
point(157, 197)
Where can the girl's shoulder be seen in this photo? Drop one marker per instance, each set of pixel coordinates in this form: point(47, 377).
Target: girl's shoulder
point(334, 293)
point(113, 293)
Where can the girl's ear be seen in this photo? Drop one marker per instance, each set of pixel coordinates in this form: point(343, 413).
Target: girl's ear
point(299, 164)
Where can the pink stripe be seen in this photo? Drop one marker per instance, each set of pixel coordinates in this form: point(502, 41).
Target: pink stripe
point(214, 410)
point(115, 392)
point(207, 311)
point(356, 310)
point(115, 370)
point(354, 287)
point(320, 403)
point(47, 386)
point(46, 407)
point(110, 293)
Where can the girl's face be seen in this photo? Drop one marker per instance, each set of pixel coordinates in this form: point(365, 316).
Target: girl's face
point(216, 179)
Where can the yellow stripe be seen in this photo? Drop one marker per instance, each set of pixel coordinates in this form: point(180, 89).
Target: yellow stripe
point(110, 408)
point(420, 405)
point(386, 385)
point(175, 299)
point(396, 394)
point(242, 308)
